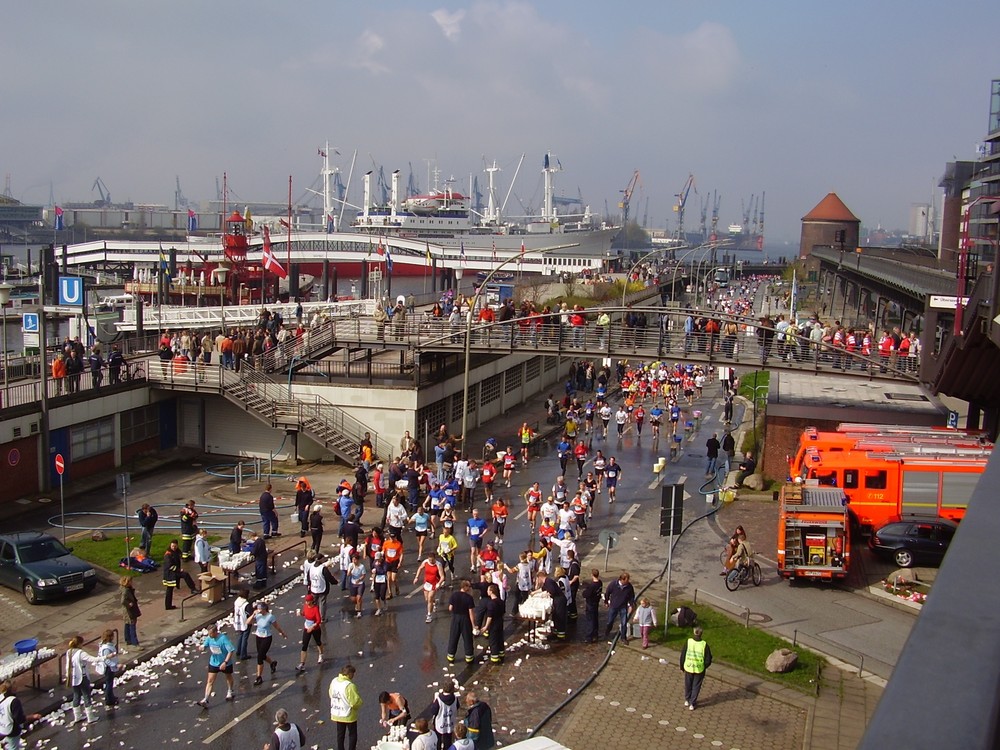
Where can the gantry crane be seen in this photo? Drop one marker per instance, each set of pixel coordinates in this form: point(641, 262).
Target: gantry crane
point(101, 188)
point(627, 197)
point(682, 197)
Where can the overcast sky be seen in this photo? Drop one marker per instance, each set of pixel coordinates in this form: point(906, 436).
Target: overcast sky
point(792, 97)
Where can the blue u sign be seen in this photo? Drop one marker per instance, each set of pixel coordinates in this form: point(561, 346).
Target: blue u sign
point(71, 290)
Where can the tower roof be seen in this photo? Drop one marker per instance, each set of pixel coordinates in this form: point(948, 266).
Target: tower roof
point(831, 208)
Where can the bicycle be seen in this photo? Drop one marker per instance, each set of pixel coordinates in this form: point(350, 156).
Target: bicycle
point(742, 574)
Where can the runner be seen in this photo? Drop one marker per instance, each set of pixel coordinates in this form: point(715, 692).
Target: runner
point(447, 545)
point(263, 622)
point(433, 573)
point(605, 414)
point(499, 511)
point(311, 631)
point(357, 574)
point(509, 462)
point(380, 582)
point(533, 498)
point(655, 416)
point(221, 655)
point(580, 453)
point(621, 419)
point(392, 554)
point(564, 449)
point(588, 418)
point(613, 473)
point(600, 464)
point(527, 434)
point(421, 523)
point(488, 476)
point(639, 415)
point(475, 528)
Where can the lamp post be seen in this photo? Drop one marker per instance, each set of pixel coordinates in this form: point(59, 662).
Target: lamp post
point(5, 290)
point(639, 262)
point(468, 333)
point(220, 273)
point(459, 273)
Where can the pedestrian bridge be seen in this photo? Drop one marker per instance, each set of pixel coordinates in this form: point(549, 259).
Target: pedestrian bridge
point(661, 338)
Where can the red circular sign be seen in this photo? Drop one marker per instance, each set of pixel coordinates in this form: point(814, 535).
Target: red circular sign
point(14, 457)
point(60, 464)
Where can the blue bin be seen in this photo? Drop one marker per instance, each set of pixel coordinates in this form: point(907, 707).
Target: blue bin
point(26, 646)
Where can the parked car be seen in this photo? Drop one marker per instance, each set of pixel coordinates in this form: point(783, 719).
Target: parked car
point(909, 541)
point(42, 568)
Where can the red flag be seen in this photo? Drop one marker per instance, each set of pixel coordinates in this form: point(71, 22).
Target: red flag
point(381, 248)
point(271, 263)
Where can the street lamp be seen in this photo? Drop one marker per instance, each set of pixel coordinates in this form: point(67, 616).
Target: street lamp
point(221, 272)
point(5, 290)
point(468, 331)
point(639, 262)
point(459, 273)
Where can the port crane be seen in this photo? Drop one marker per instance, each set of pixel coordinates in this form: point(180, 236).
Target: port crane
point(626, 200)
point(682, 197)
point(180, 201)
point(105, 194)
point(716, 201)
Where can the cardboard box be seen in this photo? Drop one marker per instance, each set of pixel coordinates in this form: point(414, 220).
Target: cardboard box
point(211, 588)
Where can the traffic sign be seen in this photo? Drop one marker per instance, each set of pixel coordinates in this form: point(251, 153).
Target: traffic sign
point(608, 538)
point(952, 419)
point(71, 290)
point(671, 509)
point(60, 464)
point(29, 322)
point(123, 482)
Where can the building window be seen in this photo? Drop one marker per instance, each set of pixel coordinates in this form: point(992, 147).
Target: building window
point(514, 379)
point(140, 424)
point(92, 438)
point(533, 368)
point(491, 388)
point(431, 416)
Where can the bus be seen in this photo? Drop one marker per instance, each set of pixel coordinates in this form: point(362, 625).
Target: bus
point(721, 278)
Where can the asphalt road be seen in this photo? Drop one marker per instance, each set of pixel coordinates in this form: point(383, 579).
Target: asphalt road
point(399, 652)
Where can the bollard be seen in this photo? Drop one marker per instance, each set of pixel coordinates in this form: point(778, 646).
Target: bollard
point(697, 419)
point(238, 476)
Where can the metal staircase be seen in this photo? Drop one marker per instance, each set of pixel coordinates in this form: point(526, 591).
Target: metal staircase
point(324, 422)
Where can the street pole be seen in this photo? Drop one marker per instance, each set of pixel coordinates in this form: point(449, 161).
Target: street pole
point(468, 337)
point(5, 290)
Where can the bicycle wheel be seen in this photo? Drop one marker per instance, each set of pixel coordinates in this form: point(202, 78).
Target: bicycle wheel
point(733, 579)
point(757, 575)
point(724, 556)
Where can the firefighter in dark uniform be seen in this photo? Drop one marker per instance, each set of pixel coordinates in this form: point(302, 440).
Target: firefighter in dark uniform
point(173, 574)
point(189, 529)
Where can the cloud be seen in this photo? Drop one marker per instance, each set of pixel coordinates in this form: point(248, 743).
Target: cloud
point(369, 45)
point(449, 22)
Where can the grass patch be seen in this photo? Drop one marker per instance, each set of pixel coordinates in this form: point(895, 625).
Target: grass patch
point(745, 649)
point(108, 554)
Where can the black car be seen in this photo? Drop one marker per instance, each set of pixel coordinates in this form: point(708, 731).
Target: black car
point(908, 541)
point(40, 567)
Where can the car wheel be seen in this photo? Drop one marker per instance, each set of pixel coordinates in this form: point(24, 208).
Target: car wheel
point(904, 558)
point(29, 593)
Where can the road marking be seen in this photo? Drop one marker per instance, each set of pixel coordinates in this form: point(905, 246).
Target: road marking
point(413, 593)
point(629, 513)
point(232, 724)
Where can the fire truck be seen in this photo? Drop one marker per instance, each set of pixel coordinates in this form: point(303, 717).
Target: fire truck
point(814, 532)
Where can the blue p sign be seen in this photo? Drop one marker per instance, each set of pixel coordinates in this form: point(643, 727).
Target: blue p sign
point(71, 290)
point(952, 420)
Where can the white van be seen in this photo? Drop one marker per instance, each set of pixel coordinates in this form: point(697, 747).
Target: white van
point(116, 301)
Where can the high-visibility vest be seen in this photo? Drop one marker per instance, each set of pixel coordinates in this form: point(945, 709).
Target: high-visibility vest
point(694, 657)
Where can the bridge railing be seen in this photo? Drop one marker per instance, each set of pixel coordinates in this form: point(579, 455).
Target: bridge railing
point(663, 336)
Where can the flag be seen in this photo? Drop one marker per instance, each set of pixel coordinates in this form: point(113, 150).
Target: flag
point(192, 221)
point(461, 253)
point(369, 247)
point(329, 223)
point(59, 219)
point(521, 258)
point(163, 259)
point(428, 253)
point(381, 248)
point(284, 223)
point(247, 219)
point(270, 262)
point(388, 260)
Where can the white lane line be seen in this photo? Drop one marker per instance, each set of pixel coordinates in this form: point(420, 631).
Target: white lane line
point(232, 724)
point(413, 593)
point(629, 513)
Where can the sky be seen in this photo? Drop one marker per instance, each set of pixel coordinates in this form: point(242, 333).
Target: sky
point(790, 98)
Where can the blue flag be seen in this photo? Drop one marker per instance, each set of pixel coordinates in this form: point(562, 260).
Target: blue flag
point(59, 219)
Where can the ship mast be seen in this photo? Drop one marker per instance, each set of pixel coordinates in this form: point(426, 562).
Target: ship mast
point(492, 209)
point(548, 209)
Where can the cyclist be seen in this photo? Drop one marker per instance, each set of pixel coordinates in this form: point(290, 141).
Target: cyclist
point(742, 552)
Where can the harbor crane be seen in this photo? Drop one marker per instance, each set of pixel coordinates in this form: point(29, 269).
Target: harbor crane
point(626, 200)
point(682, 197)
point(105, 194)
point(180, 201)
point(716, 201)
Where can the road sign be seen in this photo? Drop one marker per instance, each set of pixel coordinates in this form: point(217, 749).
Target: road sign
point(30, 340)
point(671, 509)
point(71, 291)
point(29, 322)
point(60, 464)
point(952, 420)
point(608, 538)
point(123, 482)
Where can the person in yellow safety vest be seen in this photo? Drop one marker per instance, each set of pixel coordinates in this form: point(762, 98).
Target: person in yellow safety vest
point(696, 657)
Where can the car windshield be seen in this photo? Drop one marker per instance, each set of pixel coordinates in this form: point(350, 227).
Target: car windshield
point(40, 549)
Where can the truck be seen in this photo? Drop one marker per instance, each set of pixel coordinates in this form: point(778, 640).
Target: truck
point(814, 532)
point(883, 486)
